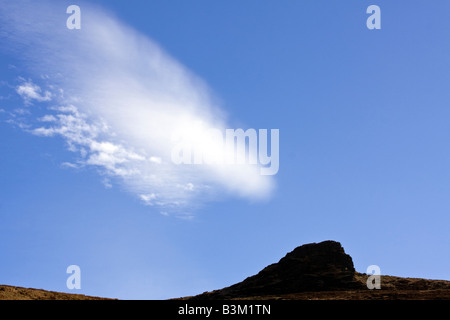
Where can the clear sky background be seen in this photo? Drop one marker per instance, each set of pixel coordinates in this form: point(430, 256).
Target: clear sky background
point(364, 152)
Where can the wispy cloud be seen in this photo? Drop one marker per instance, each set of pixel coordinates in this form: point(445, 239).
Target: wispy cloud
point(30, 91)
point(118, 101)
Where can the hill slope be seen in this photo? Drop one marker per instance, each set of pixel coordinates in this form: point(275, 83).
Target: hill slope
point(19, 293)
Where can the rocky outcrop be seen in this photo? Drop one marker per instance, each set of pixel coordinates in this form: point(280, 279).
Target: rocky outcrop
point(320, 266)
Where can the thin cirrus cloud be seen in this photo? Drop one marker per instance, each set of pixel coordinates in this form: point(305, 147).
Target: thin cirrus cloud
point(119, 100)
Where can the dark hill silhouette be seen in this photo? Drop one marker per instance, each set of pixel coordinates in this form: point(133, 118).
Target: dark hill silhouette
point(312, 267)
point(324, 271)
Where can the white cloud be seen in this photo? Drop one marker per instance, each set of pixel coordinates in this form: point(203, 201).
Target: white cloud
point(45, 132)
point(48, 118)
point(21, 111)
point(148, 198)
point(69, 165)
point(157, 160)
point(107, 183)
point(30, 91)
point(121, 102)
point(19, 123)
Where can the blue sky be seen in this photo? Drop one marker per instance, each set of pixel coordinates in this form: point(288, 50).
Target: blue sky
point(364, 141)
